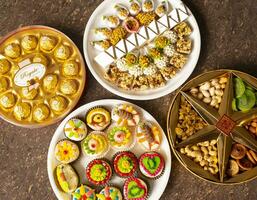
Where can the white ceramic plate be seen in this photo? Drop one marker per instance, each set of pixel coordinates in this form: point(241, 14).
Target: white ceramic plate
point(157, 187)
point(106, 8)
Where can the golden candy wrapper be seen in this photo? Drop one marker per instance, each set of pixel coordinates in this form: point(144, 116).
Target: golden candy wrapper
point(42, 76)
point(212, 126)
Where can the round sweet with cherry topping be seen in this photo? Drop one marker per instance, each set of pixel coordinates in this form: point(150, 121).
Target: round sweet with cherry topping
point(151, 164)
point(98, 172)
point(125, 164)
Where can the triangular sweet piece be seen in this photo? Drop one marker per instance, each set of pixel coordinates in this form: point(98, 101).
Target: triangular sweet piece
point(104, 59)
point(142, 32)
point(174, 15)
point(110, 51)
point(121, 46)
point(141, 40)
point(161, 28)
point(172, 22)
point(151, 34)
point(164, 21)
point(182, 15)
point(153, 27)
point(132, 39)
point(183, 8)
point(119, 53)
point(129, 46)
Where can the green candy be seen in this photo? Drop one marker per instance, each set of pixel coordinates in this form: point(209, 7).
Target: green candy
point(234, 107)
point(151, 164)
point(239, 87)
point(246, 101)
point(135, 191)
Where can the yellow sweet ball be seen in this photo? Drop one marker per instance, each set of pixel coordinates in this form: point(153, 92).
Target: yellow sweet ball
point(3, 84)
point(7, 100)
point(68, 86)
point(29, 94)
point(39, 58)
point(41, 112)
point(58, 103)
point(12, 50)
point(21, 111)
point(5, 66)
point(62, 52)
point(47, 42)
point(50, 82)
point(29, 42)
point(70, 68)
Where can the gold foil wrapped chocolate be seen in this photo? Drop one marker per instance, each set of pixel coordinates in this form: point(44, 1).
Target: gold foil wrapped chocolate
point(42, 76)
point(193, 135)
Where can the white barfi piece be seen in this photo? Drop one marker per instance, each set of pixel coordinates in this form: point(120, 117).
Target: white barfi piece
point(182, 15)
point(121, 46)
point(119, 53)
point(151, 34)
point(172, 22)
point(104, 59)
point(110, 51)
point(141, 40)
point(129, 46)
point(153, 27)
point(161, 27)
point(132, 39)
point(174, 15)
point(183, 8)
point(164, 21)
point(142, 32)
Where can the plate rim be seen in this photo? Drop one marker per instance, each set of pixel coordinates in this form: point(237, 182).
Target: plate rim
point(51, 145)
point(148, 96)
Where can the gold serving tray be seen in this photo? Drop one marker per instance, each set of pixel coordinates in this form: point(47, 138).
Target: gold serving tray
point(54, 66)
point(212, 116)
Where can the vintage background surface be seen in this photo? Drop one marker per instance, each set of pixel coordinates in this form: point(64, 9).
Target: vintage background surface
point(229, 40)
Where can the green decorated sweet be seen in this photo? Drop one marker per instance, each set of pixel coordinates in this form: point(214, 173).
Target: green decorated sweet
point(246, 101)
point(98, 172)
point(239, 87)
point(135, 188)
point(125, 164)
point(119, 137)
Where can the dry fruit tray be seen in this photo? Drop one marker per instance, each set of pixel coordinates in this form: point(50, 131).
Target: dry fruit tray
point(109, 149)
point(211, 125)
point(141, 49)
point(42, 76)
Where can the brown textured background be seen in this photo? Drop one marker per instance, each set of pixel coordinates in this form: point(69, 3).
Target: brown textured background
point(229, 40)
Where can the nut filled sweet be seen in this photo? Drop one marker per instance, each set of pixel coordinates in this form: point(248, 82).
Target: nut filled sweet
point(42, 76)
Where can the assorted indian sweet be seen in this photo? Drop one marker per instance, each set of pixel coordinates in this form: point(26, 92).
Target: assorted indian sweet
point(135, 189)
point(98, 172)
point(67, 178)
point(41, 76)
point(245, 97)
point(75, 129)
point(205, 154)
point(95, 144)
point(151, 164)
point(66, 151)
point(148, 135)
point(98, 118)
point(189, 121)
point(109, 193)
point(140, 49)
point(125, 115)
point(251, 126)
point(211, 92)
point(84, 192)
point(120, 137)
point(125, 164)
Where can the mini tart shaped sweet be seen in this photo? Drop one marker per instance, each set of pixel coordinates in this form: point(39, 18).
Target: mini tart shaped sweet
point(67, 178)
point(84, 193)
point(125, 164)
point(95, 144)
point(109, 193)
point(98, 118)
point(148, 136)
point(75, 129)
point(135, 189)
point(125, 115)
point(120, 137)
point(98, 172)
point(66, 151)
point(151, 164)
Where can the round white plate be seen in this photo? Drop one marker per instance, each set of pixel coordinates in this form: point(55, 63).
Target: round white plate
point(157, 187)
point(106, 8)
